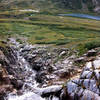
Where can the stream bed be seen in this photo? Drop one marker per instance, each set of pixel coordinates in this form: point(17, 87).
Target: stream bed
point(34, 87)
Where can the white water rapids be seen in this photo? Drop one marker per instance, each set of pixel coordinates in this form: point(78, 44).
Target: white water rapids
point(26, 96)
point(29, 80)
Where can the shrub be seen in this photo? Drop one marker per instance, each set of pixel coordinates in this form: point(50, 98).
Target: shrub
point(39, 37)
point(92, 44)
point(81, 49)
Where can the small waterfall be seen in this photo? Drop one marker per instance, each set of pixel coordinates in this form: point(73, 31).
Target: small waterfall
point(29, 78)
point(30, 89)
point(27, 72)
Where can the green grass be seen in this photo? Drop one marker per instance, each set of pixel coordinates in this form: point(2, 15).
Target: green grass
point(50, 29)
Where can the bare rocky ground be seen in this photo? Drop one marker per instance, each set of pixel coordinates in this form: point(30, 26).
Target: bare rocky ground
point(51, 73)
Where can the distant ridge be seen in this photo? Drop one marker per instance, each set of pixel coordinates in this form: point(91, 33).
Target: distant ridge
point(85, 5)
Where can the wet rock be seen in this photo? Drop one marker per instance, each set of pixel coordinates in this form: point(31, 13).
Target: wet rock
point(41, 77)
point(80, 60)
point(62, 53)
point(51, 90)
point(91, 53)
point(63, 73)
point(4, 89)
point(6, 79)
point(37, 66)
point(17, 83)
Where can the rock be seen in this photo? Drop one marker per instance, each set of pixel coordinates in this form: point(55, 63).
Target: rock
point(4, 89)
point(17, 83)
point(26, 96)
point(51, 90)
point(6, 79)
point(80, 60)
point(87, 87)
point(91, 53)
point(64, 95)
point(97, 9)
point(27, 48)
point(62, 53)
point(2, 56)
point(63, 73)
point(1, 74)
point(40, 77)
point(37, 66)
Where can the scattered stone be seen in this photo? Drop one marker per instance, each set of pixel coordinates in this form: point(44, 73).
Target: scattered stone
point(63, 73)
point(91, 53)
point(80, 60)
point(51, 90)
point(17, 83)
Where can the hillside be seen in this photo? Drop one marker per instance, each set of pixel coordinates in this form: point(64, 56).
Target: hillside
point(85, 5)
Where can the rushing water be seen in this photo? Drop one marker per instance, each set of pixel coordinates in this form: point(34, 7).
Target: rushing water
point(26, 96)
point(29, 78)
point(32, 92)
point(82, 16)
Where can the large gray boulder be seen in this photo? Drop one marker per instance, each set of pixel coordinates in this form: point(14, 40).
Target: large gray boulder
point(87, 87)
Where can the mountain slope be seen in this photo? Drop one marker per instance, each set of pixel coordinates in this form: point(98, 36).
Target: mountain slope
point(86, 5)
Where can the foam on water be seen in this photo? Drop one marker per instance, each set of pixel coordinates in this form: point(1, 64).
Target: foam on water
point(26, 96)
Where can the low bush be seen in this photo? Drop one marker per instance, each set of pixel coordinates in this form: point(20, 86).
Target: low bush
point(39, 37)
point(92, 45)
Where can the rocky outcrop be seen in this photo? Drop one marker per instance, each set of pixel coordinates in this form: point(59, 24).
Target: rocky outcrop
point(5, 83)
point(8, 60)
point(87, 87)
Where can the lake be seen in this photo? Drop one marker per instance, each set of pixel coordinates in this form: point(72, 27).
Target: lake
point(82, 16)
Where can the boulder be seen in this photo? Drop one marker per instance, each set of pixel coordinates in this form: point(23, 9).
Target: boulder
point(91, 53)
point(4, 90)
point(17, 83)
point(87, 87)
point(37, 66)
point(50, 90)
point(80, 60)
point(26, 96)
point(40, 77)
point(63, 73)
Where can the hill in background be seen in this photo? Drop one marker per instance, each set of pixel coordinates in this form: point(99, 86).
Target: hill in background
point(85, 5)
